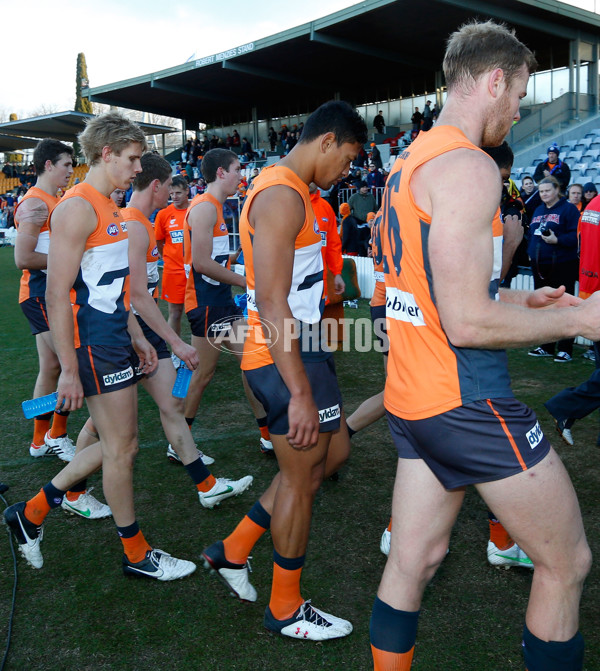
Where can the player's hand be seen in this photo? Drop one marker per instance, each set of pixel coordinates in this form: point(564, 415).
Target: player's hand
point(339, 284)
point(146, 354)
point(186, 353)
point(547, 297)
point(512, 229)
point(70, 392)
point(303, 419)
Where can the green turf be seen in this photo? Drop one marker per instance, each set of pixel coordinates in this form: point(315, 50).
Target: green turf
point(80, 612)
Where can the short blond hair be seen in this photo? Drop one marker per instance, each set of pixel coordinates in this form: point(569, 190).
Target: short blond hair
point(113, 130)
point(479, 47)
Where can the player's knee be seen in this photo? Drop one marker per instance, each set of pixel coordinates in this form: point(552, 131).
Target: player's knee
point(50, 367)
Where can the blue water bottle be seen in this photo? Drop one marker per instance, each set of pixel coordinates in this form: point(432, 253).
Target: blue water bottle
point(182, 381)
point(241, 300)
point(39, 406)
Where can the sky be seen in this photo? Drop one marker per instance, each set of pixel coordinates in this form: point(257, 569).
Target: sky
point(122, 39)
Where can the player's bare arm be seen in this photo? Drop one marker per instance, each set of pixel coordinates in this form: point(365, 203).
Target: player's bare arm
point(202, 219)
point(143, 301)
point(31, 216)
point(461, 255)
point(144, 350)
point(73, 221)
point(274, 240)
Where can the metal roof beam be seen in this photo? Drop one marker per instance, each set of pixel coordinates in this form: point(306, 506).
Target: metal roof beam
point(266, 74)
point(517, 18)
point(357, 47)
point(193, 93)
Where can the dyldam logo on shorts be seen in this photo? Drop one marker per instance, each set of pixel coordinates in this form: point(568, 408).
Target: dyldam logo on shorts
point(115, 378)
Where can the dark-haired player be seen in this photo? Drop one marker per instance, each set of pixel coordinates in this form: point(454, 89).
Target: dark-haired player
point(294, 378)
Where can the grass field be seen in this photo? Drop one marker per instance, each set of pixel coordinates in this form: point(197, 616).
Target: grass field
point(80, 612)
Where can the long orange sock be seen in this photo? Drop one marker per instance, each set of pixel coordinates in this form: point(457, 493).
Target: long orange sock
point(59, 425)
point(285, 592)
point(391, 661)
point(264, 432)
point(389, 527)
point(243, 538)
point(37, 508)
point(206, 485)
point(73, 496)
point(41, 425)
point(135, 547)
point(499, 535)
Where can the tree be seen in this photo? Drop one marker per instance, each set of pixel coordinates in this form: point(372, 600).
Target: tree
point(82, 104)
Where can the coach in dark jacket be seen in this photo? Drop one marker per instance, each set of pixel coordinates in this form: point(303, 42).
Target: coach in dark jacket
point(554, 167)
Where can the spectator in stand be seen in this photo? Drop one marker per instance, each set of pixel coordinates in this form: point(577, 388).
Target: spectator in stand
point(362, 203)
point(416, 119)
point(530, 196)
point(247, 153)
point(555, 167)
point(375, 178)
point(254, 174)
point(272, 138)
point(427, 116)
point(360, 159)
point(379, 123)
point(376, 156)
point(228, 141)
point(235, 139)
point(118, 195)
point(300, 129)
point(589, 193)
point(575, 195)
point(553, 251)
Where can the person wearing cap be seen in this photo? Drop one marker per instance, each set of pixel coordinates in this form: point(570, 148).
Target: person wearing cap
point(554, 167)
point(362, 202)
point(589, 193)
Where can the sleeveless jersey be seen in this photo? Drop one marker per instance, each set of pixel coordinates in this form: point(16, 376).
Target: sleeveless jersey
point(33, 282)
point(427, 375)
point(100, 293)
point(378, 297)
point(306, 292)
point(168, 226)
point(201, 289)
point(133, 214)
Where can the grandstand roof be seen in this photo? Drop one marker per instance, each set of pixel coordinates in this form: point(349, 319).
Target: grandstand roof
point(64, 126)
point(374, 51)
point(9, 143)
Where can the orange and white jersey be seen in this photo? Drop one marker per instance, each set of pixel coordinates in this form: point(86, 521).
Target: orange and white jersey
point(100, 293)
point(33, 282)
point(427, 375)
point(133, 214)
point(306, 292)
point(201, 289)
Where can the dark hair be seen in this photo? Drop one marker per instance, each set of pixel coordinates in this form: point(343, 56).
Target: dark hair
point(477, 48)
point(48, 150)
point(180, 181)
point(503, 155)
point(215, 159)
point(339, 118)
point(153, 167)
